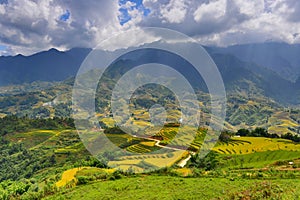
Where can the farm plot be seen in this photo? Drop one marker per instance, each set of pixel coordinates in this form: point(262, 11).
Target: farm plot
point(148, 161)
point(247, 145)
point(281, 123)
point(258, 159)
point(31, 139)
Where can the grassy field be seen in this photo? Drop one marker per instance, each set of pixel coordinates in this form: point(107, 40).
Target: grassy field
point(242, 156)
point(31, 139)
point(71, 174)
point(166, 187)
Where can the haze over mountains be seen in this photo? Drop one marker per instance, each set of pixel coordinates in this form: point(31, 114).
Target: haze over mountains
point(281, 58)
point(269, 69)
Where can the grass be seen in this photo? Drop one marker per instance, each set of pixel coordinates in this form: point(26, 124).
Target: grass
point(258, 159)
point(184, 171)
point(31, 139)
point(166, 187)
point(71, 174)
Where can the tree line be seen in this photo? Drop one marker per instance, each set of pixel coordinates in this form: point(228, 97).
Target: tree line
point(257, 132)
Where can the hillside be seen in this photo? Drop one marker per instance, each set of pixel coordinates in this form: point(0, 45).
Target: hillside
point(166, 187)
point(43, 156)
point(51, 65)
point(239, 73)
point(55, 165)
point(281, 58)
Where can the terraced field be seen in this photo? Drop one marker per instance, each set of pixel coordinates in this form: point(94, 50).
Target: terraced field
point(118, 139)
point(150, 161)
point(67, 176)
point(141, 148)
point(256, 160)
point(187, 138)
point(281, 123)
point(247, 145)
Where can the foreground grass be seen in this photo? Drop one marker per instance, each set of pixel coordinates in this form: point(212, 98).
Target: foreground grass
point(166, 187)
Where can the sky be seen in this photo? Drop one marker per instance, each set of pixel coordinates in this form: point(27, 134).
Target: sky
point(30, 26)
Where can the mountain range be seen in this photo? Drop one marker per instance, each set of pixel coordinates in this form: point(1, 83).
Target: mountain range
point(268, 69)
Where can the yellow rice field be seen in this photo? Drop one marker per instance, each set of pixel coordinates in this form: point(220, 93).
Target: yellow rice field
point(247, 145)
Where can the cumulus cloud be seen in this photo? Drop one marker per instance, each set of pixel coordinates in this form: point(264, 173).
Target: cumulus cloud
point(226, 22)
point(212, 11)
point(29, 26)
point(173, 12)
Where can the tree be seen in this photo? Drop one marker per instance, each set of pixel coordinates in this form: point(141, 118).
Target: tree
point(209, 162)
point(225, 136)
point(243, 132)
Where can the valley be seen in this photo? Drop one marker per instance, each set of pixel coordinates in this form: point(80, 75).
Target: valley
point(255, 156)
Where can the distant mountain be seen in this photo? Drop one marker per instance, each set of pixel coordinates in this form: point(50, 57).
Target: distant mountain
point(238, 76)
point(282, 58)
point(52, 65)
point(253, 79)
point(242, 67)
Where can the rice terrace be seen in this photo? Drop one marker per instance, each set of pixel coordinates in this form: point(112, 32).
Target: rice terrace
point(147, 99)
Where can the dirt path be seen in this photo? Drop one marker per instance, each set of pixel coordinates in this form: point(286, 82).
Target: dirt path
point(182, 163)
point(157, 143)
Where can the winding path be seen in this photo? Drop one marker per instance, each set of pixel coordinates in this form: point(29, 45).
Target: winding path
point(182, 163)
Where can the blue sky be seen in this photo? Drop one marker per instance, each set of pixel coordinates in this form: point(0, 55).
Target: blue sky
point(3, 1)
point(214, 22)
point(65, 16)
point(125, 16)
point(2, 47)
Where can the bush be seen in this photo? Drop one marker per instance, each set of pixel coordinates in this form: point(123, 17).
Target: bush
point(82, 180)
point(116, 175)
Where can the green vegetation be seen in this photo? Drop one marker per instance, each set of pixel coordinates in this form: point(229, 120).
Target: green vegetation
point(46, 159)
point(12, 124)
point(41, 155)
point(166, 187)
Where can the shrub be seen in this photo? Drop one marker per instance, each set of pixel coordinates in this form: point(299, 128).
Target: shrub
point(82, 180)
point(116, 175)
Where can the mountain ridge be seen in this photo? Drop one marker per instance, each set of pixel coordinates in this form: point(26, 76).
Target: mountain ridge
point(238, 75)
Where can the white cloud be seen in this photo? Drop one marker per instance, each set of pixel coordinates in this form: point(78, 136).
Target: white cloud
point(122, 41)
point(250, 8)
point(214, 10)
point(225, 22)
point(28, 26)
point(173, 12)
